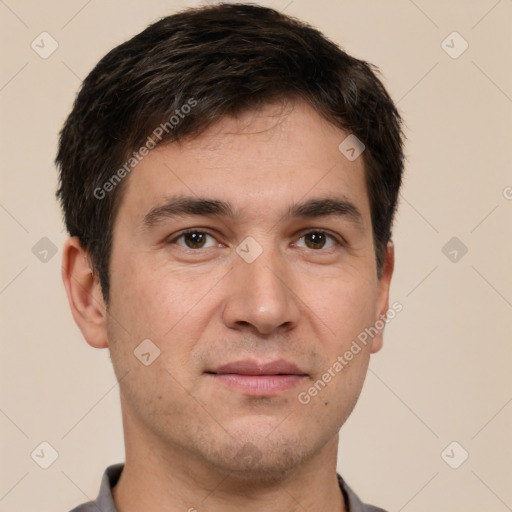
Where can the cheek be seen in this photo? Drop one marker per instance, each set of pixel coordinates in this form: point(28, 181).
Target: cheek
point(345, 304)
point(340, 309)
point(151, 299)
point(162, 304)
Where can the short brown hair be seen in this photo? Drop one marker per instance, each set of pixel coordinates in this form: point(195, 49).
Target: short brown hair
point(228, 59)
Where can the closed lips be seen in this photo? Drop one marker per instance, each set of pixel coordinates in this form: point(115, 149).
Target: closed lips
point(254, 368)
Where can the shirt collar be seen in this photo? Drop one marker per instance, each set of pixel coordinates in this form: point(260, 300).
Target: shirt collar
point(105, 500)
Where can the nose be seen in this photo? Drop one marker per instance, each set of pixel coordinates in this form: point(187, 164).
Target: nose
point(260, 296)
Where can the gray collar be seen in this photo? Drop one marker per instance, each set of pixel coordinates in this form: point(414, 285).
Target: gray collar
point(105, 501)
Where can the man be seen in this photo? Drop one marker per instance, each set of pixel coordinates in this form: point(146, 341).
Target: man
point(229, 179)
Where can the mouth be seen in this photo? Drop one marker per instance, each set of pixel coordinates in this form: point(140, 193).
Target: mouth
point(258, 379)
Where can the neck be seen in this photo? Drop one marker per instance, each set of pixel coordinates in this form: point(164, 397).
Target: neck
point(160, 476)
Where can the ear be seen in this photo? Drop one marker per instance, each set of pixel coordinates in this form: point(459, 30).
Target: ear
point(383, 296)
point(84, 293)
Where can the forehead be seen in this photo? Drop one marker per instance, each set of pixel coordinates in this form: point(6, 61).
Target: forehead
point(261, 161)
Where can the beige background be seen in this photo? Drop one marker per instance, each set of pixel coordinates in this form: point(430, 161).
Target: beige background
point(444, 374)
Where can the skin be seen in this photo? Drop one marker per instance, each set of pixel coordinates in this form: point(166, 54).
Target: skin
point(186, 433)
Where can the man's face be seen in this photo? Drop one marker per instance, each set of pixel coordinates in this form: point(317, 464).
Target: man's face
point(297, 292)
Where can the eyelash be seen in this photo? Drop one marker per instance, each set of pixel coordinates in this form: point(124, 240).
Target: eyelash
point(337, 240)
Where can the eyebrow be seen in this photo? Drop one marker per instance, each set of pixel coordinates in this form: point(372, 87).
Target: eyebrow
point(337, 207)
point(185, 205)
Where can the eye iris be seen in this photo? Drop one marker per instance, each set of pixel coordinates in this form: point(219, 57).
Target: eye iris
point(195, 240)
point(315, 240)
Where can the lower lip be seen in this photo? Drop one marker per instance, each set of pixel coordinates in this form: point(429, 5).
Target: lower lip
point(259, 385)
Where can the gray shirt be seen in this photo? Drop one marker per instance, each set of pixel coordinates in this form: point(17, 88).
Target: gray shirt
point(105, 503)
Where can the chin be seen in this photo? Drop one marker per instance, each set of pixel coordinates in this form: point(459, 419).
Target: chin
point(262, 461)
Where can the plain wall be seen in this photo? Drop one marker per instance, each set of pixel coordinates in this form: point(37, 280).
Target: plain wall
point(444, 372)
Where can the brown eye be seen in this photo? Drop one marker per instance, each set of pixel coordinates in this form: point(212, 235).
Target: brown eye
point(194, 240)
point(317, 240)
